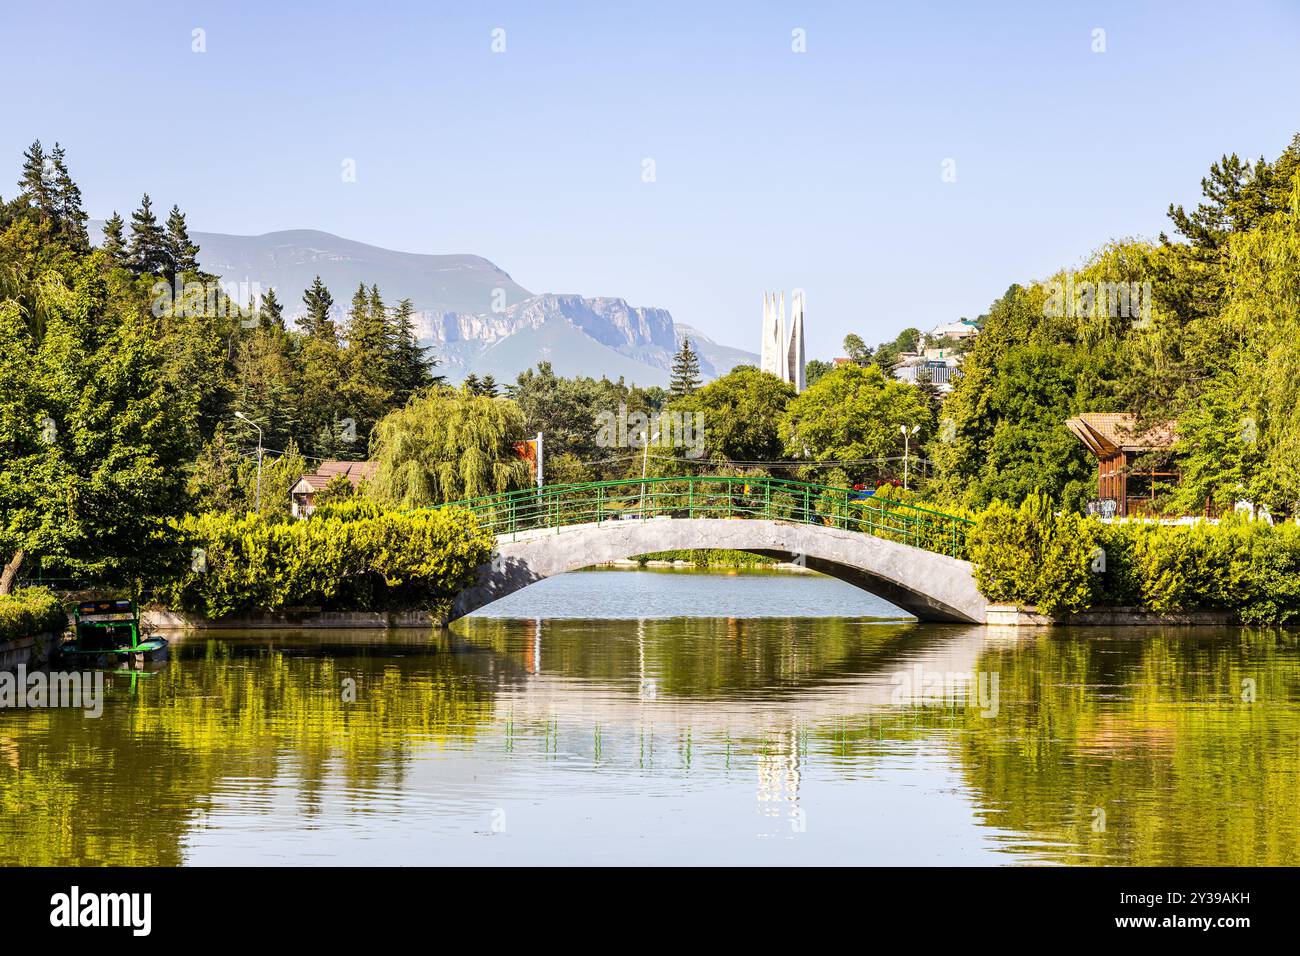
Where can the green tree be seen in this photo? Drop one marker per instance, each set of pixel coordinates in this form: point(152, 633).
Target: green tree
point(70, 218)
point(1027, 373)
point(337, 489)
point(815, 369)
point(216, 480)
point(886, 355)
point(265, 376)
point(569, 410)
point(742, 411)
point(318, 322)
point(182, 254)
point(270, 313)
point(36, 187)
point(412, 366)
point(48, 192)
point(853, 414)
point(366, 360)
point(89, 439)
point(114, 244)
point(686, 370)
point(1239, 438)
point(857, 350)
point(148, 248)
point(448, 445)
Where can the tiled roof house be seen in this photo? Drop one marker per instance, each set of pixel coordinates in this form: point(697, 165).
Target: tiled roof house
point(303, 493)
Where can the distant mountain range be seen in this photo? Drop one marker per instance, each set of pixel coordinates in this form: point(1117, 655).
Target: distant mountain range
point(476, 318)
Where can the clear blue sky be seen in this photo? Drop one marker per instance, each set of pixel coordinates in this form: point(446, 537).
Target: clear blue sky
point(775, 169)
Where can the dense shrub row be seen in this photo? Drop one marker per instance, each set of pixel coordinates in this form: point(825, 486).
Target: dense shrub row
point(1066, 562)
point(349, 556)
point(30, 611)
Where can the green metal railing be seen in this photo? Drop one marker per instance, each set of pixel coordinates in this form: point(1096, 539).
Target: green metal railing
point(709, 496)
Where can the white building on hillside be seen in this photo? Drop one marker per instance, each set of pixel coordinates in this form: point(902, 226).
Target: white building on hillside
point(962, 329)
point(914, 368)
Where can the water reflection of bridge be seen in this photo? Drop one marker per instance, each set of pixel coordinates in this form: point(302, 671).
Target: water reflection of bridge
point(543, 696)
point(767, 726)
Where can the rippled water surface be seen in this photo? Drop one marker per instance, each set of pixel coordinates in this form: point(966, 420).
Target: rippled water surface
point(588, 720)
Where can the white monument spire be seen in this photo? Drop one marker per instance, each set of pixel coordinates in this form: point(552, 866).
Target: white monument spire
point(794, 360)
point(782, 354)
point(773, 352)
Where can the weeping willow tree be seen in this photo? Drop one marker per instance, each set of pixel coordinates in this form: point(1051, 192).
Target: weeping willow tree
point(447, 446)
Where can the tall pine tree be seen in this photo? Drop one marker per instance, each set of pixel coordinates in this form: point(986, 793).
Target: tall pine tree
point(365, 332)
point(318, 324)
point(69, 217)
point(369, 387)
point(411, 362)
point(148, 249)
point(182, 254)
point(686, 370)
point(322, 390)
point(271, 313)
point(36, 187)
point(114, 242)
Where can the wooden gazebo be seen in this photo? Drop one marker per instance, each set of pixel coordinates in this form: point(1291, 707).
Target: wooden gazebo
point(1118, 441)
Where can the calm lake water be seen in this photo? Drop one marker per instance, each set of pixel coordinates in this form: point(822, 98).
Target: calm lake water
point(587, 720)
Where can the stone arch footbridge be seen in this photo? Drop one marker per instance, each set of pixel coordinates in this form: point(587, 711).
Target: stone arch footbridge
point(913, 557)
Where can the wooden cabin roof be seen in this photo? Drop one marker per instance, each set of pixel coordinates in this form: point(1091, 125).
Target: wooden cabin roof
point(1108, 433)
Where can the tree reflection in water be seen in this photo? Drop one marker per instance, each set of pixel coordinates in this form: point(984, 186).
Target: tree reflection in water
point(1147, 726)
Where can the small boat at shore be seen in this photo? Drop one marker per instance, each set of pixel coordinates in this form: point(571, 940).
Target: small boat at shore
point(107, 633)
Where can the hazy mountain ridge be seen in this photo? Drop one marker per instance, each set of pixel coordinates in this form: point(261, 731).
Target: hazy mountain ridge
point(473, 314)
point(288, 261)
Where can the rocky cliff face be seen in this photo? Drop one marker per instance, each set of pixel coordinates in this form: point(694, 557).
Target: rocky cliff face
point(611, 322)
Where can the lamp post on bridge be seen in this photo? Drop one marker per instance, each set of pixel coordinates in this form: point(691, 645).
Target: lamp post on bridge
point(645, 462)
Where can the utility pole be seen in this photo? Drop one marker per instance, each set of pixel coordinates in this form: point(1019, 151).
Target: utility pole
point(907, 441)
point(243, 417)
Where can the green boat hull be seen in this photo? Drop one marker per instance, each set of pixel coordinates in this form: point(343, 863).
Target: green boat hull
point(147, 651)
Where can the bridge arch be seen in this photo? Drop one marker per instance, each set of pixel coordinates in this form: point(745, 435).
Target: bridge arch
point(934, 587)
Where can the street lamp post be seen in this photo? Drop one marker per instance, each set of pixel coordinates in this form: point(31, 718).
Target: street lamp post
point(907, 447)
point(242, 417)
point(540, 465)
point(645, 462)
